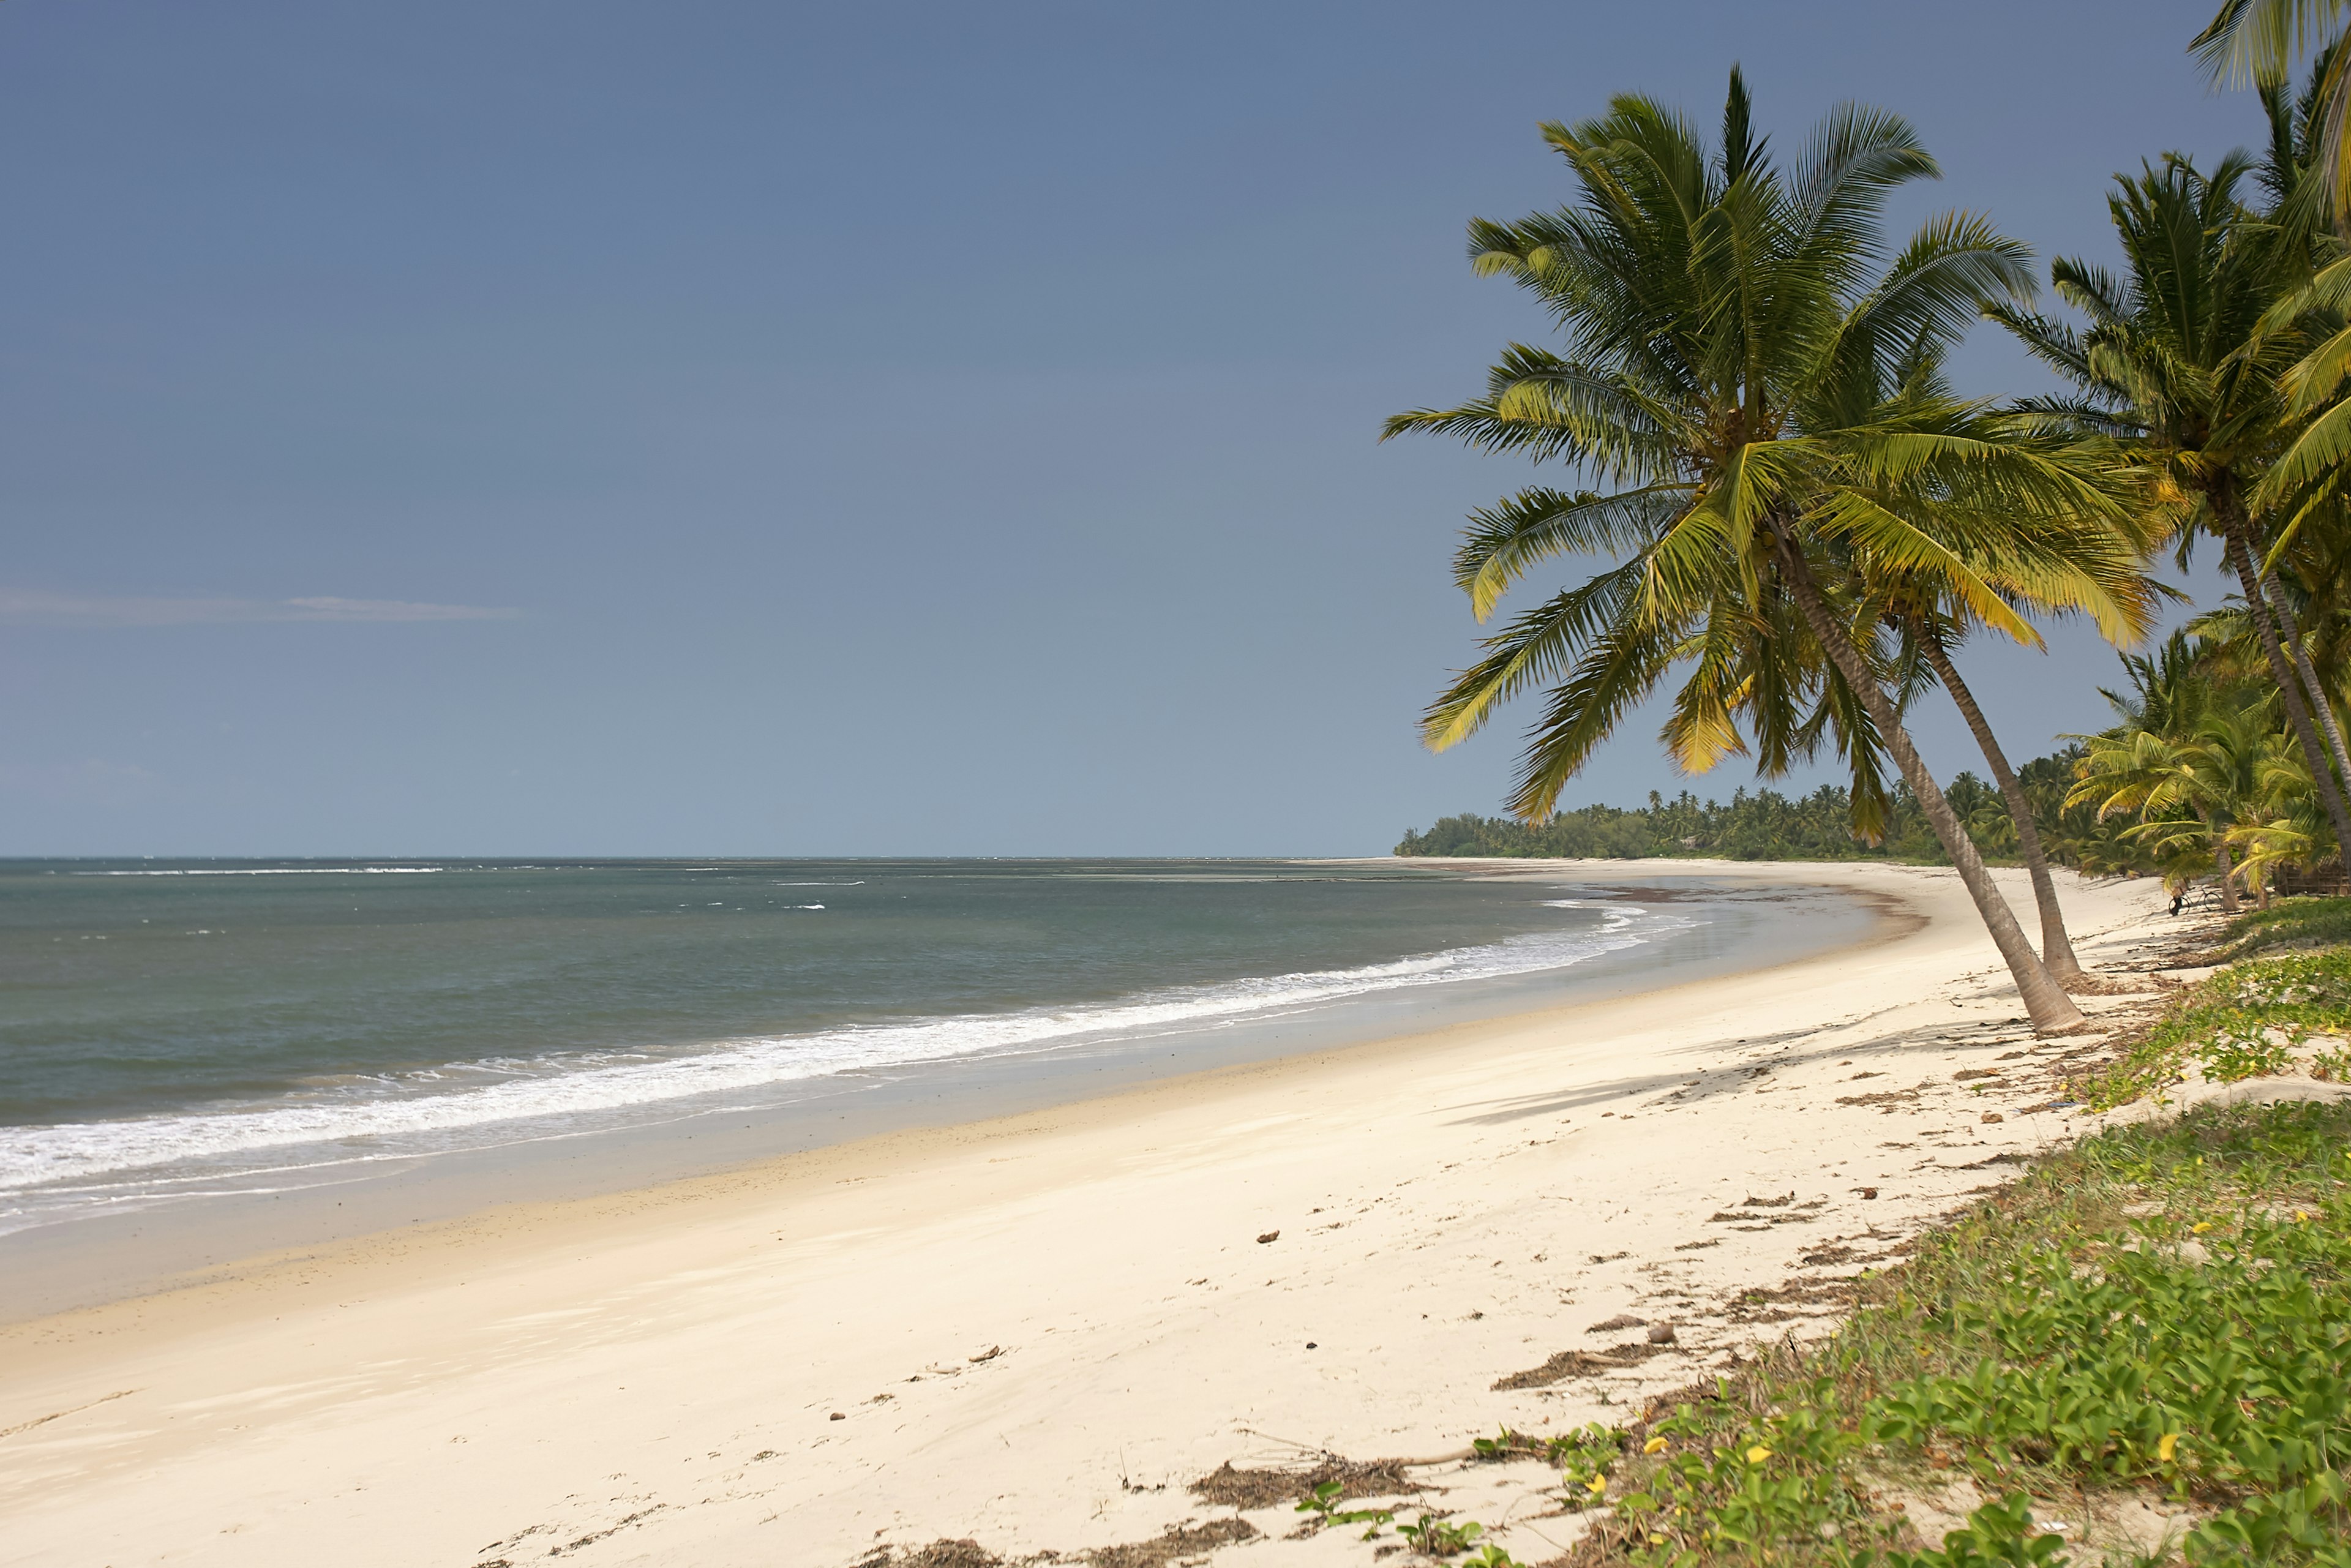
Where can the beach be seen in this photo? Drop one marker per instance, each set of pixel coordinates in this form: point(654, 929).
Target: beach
point(1038, 1331)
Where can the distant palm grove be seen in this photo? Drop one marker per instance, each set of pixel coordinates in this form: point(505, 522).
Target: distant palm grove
point(1784, 528)
point(1766, 825)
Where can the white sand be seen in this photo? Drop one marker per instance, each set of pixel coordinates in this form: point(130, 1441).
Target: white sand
point(650, 1378)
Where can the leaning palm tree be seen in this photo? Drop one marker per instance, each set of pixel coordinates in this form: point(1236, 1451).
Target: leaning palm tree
point(1738, 370)
point(1933, 631)
point(1930, 623)
point(2178, 361)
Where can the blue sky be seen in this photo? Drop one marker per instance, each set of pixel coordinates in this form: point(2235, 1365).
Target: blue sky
point(708, 428)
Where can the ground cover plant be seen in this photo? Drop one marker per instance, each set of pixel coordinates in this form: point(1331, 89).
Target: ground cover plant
point(2290, 922)
point(2161, 1314)
point(2250, 1019)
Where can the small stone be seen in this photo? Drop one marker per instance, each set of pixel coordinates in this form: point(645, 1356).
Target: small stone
point(1309, 1344)
point(837, 1416)
point(1269, 1236)
point(1993, 1116)
point(1661, 1334)
point(1867, 1193)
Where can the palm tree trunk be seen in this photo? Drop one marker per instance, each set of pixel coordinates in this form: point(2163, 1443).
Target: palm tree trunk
point(2057, 950)
point(2291, 634)
point(2289, 682)
point(2045, 1001)
point(2228, 882)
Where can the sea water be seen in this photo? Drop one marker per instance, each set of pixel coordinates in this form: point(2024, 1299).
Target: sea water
point(184, 1031)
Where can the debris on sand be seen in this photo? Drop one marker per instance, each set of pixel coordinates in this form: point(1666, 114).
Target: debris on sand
point(1570, 1364)
point(1178, 1544)
point(1226, 1487)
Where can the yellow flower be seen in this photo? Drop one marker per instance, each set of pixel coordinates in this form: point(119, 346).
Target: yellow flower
point(1758, 1453)
point(2200, 1226)
point(2301, 1217)
point(1653, 1445)
point(1657, 1540)
point(2168, 1447)
point(1596, 1485)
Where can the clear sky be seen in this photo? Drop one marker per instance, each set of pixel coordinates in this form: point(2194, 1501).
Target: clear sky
point(578, 428)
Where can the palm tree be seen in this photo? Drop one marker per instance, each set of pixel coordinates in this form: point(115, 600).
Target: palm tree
point(2286, 829)
point(2308, 172)
point(2205, 784)
point(1933, 632)
point(2178, 361)
point(1929, 622)
point(2169, 695)
point(1740, 369)
point(2259, 41)
point(2305, 485)
point(2313, 622)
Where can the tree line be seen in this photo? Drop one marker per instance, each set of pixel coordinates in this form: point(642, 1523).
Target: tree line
point(1766, 825)
point(1802, 524)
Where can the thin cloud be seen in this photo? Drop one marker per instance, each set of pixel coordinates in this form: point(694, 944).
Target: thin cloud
point(72, 609)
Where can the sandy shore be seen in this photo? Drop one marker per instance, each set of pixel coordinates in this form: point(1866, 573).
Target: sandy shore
point(1036, 1333)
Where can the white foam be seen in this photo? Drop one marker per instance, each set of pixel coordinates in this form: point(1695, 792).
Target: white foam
point(421, 1108)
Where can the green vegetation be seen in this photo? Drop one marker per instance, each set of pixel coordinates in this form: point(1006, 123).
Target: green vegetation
point(1322, 1501)
point(2245, 1021)
point(2198, 774)
point(2293, 923)
point(1769, 826)
point(1431, 1535)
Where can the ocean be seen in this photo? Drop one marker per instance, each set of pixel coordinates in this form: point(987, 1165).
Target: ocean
point(180, 1032)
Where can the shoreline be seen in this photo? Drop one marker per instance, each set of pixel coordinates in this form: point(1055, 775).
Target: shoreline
point(1037, 1329)
point(132, 1237)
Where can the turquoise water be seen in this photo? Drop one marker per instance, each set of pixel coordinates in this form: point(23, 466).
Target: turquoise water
point(168, 1023)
